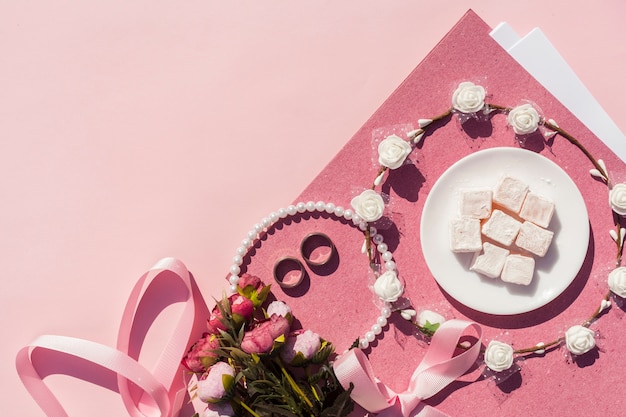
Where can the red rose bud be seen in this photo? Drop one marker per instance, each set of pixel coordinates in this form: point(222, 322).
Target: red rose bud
point(241, 309)
point(261, 339)
point(241, 306)
point(201, 356)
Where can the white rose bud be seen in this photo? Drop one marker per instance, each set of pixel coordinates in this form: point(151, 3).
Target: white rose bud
point(579, 339)
point(368, 205)
point(430, 317)
point(388, 287)
point(468, 97)
point(392, 151)
point(617, 198)
point(617, 281)
point(524, 119)
point(498, 356)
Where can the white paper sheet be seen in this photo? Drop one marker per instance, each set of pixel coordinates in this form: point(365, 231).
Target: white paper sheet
point(541, 59)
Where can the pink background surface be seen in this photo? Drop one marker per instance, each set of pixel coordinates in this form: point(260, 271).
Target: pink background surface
point(137, 131)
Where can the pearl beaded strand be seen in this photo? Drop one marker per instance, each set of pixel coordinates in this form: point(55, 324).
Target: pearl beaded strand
point(338, 212)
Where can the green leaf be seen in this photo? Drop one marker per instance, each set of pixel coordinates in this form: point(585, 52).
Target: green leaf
point(247, 291)
point(228, 381)
point(260, 296)
point(299, 360)
point(227, 339)
point(238, 321)
point(430, 328)
point(223, 307)
point(322, 355)
point(341, 405)
point(273, 410)
point(354, 344)
point(208, 361)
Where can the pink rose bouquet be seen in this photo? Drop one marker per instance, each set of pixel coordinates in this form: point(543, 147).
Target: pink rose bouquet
point(246, 362)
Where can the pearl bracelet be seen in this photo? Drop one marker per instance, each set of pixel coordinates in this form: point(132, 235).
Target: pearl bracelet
point(339, 213)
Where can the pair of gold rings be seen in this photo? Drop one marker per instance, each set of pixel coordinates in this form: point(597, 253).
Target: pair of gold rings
point(316, 249)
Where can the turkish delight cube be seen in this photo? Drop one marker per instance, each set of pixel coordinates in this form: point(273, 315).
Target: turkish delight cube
point(518, 269)
point(534, 239)
point(537, 209)
point(491, 261)
point(510, 193)
point(465, 235)
point(476, 203)
point(501, 228)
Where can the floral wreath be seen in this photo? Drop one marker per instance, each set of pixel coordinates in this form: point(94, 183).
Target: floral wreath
point(245, 362)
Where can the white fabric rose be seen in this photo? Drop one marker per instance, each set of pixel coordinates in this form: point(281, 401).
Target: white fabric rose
point(392, 151)
point(617, 199)
point(468, 97)
point(279, 308)
point(388, 287)
point(369, 205)
point(617, 281)
point(524, 119)
point(498, 356)
point(430, 317)
point(579, 339)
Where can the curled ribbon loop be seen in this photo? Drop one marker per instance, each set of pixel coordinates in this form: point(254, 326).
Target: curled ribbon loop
point(436, 371)
point(168, 282)
point(159, 392)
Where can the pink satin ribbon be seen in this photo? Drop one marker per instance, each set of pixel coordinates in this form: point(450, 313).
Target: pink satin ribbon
point(436, 371)
point(157, 392)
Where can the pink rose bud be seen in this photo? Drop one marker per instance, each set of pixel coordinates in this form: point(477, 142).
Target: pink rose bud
point(214, 324)
point(261, 338)
point(257, 342)
point(279, 326)
point(248, 280)
point(307, 344)
point(217, 384)
point(201, 356)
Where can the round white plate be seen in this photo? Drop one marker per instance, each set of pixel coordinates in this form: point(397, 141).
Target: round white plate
point(553, 273)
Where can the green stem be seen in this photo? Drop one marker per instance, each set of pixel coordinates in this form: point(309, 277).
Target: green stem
point(294, 386)
point(308, 378)
point(245, 407)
